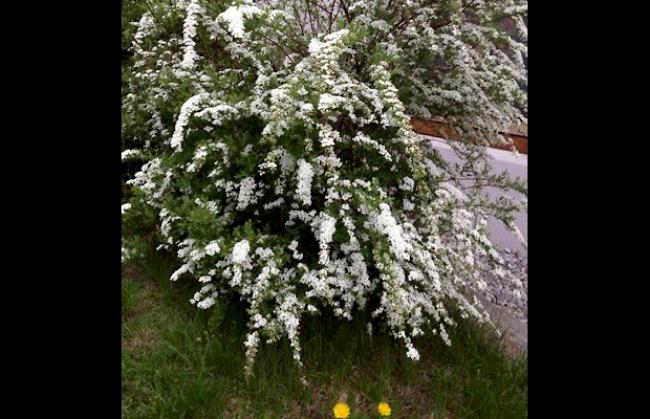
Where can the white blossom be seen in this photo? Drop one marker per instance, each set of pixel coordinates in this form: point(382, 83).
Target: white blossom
point(328, 101)
point(293, 246)
point(189, 107)
point(240, 251)
point(234, 18)
point(386, 224)
point(129, 154)
point(246, 193)
point(326, 230)
point(413, 353)
point(189, 32)
point(212, 248)
point(305, 176)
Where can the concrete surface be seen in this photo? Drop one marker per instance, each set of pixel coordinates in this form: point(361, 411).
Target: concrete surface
point(510, 316)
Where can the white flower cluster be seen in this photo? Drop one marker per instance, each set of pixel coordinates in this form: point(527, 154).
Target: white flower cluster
point(326, 229)
point(234, 18)
point(130, 154)
point(387, 225)
point(246, 195)
point(305, 176)
point(364, 139)
point(240, 252)
point(212, 248)
point(194, 10)
point(189, 107)
point(328, 101)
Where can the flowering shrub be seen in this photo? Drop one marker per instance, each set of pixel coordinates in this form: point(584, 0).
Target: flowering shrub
point(270, 143)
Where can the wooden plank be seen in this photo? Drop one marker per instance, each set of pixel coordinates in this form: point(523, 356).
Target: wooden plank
point(438, 128)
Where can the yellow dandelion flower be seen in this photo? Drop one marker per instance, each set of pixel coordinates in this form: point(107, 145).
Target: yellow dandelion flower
point(384, 409)
point(341, 411)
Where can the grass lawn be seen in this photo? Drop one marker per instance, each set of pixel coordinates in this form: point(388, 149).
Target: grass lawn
point(179, 363)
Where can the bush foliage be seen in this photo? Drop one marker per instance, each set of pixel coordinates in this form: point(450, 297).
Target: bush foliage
point(269, 145)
